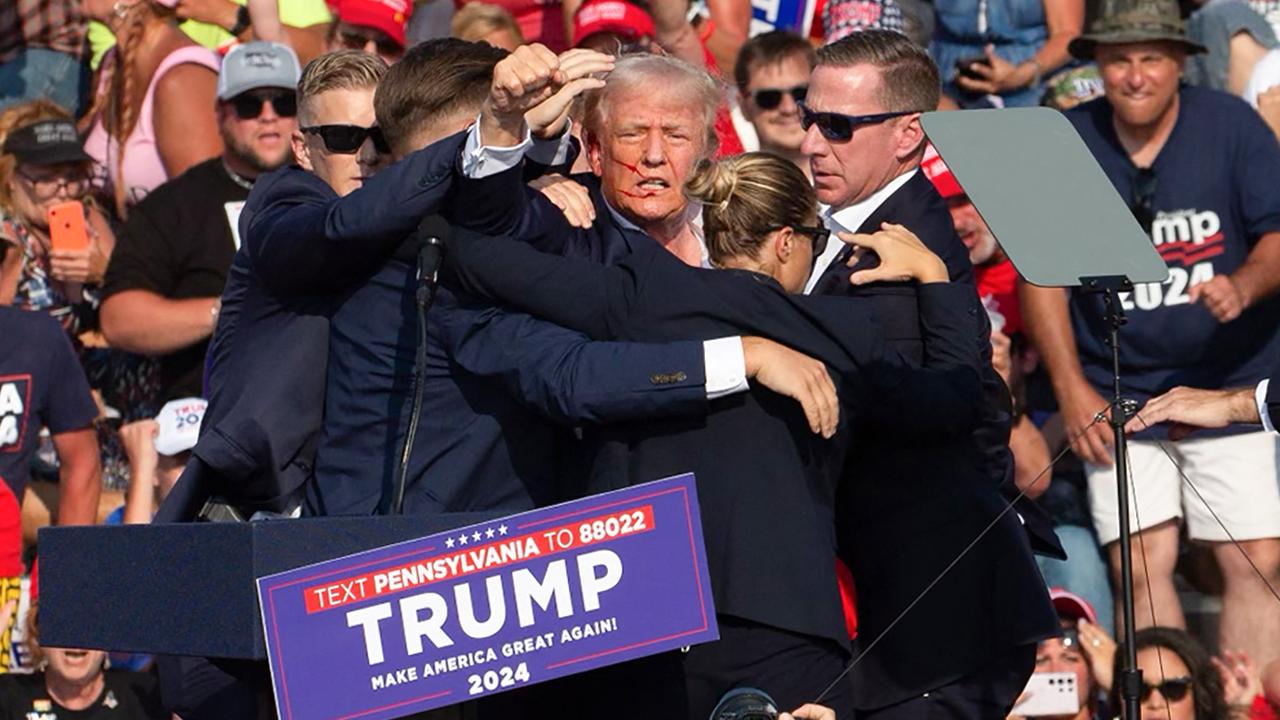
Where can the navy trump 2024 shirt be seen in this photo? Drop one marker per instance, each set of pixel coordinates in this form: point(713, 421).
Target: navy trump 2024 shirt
point(1216, 194)
point(41, 385)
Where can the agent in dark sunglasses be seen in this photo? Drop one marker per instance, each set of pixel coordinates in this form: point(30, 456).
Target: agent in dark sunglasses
point(858, 137)
point(338, 138)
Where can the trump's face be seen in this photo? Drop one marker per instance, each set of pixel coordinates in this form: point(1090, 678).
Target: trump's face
point(647, 147)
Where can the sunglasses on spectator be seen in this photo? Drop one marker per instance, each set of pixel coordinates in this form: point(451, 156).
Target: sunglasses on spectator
point(838, 126)
point(249, 105)
point(347, 139)
point(385, 46)
point(770, 98)
point(1144, 194)
point(46, 187)
point(1172, 689)
point(818, 235)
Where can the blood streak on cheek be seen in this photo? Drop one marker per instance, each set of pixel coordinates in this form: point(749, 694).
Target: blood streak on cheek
point(635, 170)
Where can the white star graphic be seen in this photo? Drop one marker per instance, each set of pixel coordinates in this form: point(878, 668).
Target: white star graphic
point(475, 536)
point(462, 539)
point(448, 542)
point(488, 532)
point(502, 529)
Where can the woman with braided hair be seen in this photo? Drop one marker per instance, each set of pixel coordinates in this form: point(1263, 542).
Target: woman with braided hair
point(152, 114)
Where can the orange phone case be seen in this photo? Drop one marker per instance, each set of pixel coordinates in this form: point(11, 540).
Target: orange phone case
point(66, 226)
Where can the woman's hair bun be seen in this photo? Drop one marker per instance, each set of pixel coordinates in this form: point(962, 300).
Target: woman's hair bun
point(713, 183)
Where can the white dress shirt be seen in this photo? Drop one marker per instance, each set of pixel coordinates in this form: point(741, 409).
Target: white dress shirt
point(848, 220)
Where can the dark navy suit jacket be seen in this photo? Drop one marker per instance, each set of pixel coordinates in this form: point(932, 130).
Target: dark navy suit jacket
point(766, 484)
point(904, 515)
point(500, 393)
point(533, 219)
point(301, 245)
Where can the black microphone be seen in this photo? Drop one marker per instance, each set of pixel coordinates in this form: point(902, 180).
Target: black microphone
point(431, 235)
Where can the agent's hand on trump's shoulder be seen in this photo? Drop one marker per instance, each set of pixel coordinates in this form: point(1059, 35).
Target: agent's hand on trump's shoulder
point(902, 257)
point(571, 197)
point(536, 81)
point(797, 376)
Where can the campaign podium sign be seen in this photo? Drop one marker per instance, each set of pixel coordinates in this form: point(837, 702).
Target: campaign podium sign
point(490, 607)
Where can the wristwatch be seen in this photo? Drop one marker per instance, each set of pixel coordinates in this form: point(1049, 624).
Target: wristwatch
point(242, 21)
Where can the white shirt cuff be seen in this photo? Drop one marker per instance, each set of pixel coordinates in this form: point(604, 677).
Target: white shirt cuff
point(1260, 397)
point(726, 366)
point(480, 161)
point(552, 152)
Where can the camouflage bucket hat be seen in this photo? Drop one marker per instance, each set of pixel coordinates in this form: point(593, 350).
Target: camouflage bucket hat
point(1134, 21)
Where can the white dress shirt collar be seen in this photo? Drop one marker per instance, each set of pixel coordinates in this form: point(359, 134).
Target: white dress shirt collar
point(695, 226)
point(849, 219)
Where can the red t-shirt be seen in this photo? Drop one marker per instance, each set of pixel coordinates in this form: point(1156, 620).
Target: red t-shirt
point(730, 143)
point(10, 533)
point(1000, 281)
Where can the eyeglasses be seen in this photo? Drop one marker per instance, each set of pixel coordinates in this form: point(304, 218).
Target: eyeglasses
point(347, 139)
point(1144, 194)
point(46, 187)
point(1172, 689)
point(249, 105)
point(818, 235)
point(384, 45)
point(838, 126)
point(770, 98)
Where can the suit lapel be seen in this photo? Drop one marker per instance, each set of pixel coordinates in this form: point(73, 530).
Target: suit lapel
point(836, 275)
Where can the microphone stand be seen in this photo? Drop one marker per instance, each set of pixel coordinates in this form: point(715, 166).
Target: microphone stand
point(429, 258)
point(1121, 409)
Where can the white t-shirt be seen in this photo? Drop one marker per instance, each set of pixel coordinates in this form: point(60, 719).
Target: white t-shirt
point(1266, 75)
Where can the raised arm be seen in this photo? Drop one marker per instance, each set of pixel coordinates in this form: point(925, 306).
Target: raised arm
point(527, 111)
point(564, 375)
point(307, 239)
point(577, 294)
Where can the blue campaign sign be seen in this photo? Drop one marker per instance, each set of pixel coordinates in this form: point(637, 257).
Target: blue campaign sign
point(793, 15)
point(482, 609)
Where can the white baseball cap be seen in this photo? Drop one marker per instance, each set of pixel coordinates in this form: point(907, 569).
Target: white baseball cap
point(179, 422)
point(257, 64)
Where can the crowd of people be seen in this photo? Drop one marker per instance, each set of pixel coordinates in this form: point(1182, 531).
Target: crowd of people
point(678, 240)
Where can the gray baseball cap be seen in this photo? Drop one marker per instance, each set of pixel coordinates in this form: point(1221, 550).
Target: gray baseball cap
point(256, 65)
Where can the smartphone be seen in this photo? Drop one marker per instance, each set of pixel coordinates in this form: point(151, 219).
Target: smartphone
point(66, 226)
point(1048, 694)
point(965, 65)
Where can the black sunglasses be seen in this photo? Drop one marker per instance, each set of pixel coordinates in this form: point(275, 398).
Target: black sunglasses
point(1144, 194)
point(771, 98)
point(347, 139)
point(384, 45)
point(1172, 689)
point(249, 105)
point(818, 235)
point(838, 126)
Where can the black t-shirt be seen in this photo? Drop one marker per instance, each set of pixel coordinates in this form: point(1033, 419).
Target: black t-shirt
point(41, 385)
point(178, 243)
point(127, 695)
